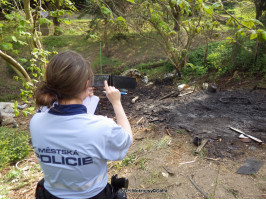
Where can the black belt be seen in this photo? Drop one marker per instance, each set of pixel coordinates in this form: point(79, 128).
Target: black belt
point(42, 193)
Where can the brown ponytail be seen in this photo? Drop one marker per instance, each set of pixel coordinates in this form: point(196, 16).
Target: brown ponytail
point(65, 78)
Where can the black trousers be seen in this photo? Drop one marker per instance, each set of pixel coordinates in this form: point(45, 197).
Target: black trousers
point(42, 193)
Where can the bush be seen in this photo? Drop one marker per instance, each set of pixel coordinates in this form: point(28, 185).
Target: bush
point(196, 55)
point(224, 57)
point(220, 58)
point(14, 145)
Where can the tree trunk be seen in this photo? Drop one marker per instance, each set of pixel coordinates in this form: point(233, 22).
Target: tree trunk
point(256, 52)
point(105, 38)
point(176, 14)
point(21, 72)
point(35, 41)
point(27, 11)
point(259, 8)
point(56, 21)
point(206, 53)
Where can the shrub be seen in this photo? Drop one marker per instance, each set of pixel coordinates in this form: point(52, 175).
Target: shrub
point(220, 58)
point(224, 57)
point(14, 145)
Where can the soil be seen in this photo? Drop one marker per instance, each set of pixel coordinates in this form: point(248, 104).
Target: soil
point(207, 115)
point(162, 157)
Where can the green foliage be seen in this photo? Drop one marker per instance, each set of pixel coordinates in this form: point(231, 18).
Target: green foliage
point(13, 174)
point(226, 57)
point(219, 59)
point(196, 67)
point(193, 70)
point(141, 163)
point(155, 69)
point(196, 55)
point(126, 161)
point(14, 145)
point(244, 10)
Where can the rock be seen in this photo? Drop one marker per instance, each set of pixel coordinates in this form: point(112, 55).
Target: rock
point(6, 107)
point(7, 119)
point(6, 113)
point(165, 174)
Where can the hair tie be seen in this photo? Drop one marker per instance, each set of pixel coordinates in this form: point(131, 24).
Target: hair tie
point(50, 89)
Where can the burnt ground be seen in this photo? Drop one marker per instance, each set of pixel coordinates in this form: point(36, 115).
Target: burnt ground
point(204, 114)
point(163, 131)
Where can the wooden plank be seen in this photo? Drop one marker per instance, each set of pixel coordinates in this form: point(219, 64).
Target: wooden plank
point(204, 142)
point(250, 136)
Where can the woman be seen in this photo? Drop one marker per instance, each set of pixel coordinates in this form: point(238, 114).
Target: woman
point(73, 147)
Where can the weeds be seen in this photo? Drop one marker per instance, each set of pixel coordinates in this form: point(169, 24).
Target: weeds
point(141, 163)
point(126, 161)
point(13, 175)
point(148, 144)
point(181, 131)
point(14, 145)
point(234, 192)
point(4, 191)
point(163, 143)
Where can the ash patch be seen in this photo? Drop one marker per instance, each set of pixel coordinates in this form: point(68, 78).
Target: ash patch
point(208, 115)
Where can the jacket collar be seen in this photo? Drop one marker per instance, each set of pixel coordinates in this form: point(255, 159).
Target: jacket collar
point(65, 110)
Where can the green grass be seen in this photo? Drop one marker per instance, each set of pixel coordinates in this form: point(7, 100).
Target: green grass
point(76, 27)
point(14, 145)
point(126, 161)
point(245, 10)
point(64, 42)
point(106, 61)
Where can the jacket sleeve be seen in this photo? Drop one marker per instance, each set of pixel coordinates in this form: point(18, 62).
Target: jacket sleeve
point(118, 142)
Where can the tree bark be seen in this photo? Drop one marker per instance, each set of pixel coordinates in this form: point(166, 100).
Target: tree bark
point(27, 11)
point(35, 41)
point(176, 14)
point(55, 19)
point(256, 52)
point(260, 7)
point(105, 38)
point(21, 72)
point(206, 52)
